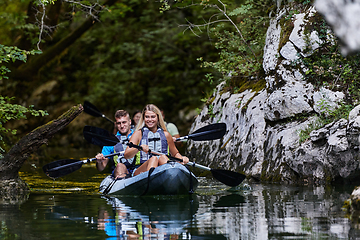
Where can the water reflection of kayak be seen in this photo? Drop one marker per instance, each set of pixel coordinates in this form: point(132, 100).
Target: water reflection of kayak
point(158, 208)
point(169, 179)
point(155, 215)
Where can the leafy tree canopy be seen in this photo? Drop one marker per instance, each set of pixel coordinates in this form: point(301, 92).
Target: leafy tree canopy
point(9, 111)
point(114, 54)
point(125, 54)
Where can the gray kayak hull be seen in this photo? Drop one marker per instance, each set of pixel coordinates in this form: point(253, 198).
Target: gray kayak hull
point(169, 179)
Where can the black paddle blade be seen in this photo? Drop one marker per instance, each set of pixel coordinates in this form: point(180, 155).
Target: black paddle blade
point(99, 136)
point(209, 132)
point(91, 109)
point(62, 167)
point(227, 177)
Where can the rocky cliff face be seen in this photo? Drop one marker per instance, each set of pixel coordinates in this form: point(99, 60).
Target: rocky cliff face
point(262, 138)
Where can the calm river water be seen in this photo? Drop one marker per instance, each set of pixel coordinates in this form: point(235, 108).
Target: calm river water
point(72, 208)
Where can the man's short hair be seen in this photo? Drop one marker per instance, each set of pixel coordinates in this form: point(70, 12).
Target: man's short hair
point(122, 113)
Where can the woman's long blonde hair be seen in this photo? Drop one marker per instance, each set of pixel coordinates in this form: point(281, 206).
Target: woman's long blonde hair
point(156, 110)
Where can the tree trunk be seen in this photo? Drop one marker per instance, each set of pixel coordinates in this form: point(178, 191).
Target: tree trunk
point(10, 183)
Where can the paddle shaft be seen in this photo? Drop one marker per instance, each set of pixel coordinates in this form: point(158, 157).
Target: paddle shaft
point(173, 158)
point(180, 160)
point(199, 166)
point(102, 115)
point(130, 144)
point(92, 110)
point(84, 161)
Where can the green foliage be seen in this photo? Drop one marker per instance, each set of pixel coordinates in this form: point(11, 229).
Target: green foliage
point(9, 111)
point(132, 56)
point(165, 5)
point(304, 2)
point(291, 14)
point(244, 9)
point(45, 2)
point(138, 56)
point(327, 116)
point(11, 54)
point(239, 40)
point(328, 67)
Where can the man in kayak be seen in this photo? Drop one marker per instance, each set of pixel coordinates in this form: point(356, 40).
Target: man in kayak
point(120, 166)
point(171, 127)
point(151, 134)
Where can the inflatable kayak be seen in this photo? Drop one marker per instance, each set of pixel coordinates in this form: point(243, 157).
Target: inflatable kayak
point(169, 179)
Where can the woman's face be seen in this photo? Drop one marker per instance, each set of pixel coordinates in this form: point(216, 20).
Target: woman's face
point(151, 119)
point(136, 117)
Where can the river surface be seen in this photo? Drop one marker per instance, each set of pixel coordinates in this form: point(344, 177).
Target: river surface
point(72, 208)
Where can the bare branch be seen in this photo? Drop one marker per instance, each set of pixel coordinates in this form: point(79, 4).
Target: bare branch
point(191, 25)
point(41, 25)
point(210, 22)
point(92, 10)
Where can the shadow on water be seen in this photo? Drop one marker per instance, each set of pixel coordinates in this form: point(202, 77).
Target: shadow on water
point(232, 200)
point(78, 216)
point(72, 208)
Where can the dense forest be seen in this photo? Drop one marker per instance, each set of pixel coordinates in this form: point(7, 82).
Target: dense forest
point(118, 55)
point(55, 54)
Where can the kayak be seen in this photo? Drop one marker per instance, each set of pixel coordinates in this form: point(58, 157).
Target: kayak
point(169, 179)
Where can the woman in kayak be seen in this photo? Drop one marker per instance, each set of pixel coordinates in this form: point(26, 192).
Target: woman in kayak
point(151, 134)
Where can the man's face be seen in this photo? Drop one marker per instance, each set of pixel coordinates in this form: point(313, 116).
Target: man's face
point(123, 125)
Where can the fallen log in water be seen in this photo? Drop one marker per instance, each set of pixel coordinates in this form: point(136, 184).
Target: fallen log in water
point(11, 186)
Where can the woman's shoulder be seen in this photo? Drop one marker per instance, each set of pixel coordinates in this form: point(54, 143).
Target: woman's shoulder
point(136, 133)
point(167, 134)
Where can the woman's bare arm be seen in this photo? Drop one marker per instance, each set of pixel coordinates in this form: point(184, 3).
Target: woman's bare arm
point(135, 139)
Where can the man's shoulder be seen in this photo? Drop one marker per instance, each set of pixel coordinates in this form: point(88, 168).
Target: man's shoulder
point(171, 125)
point(172, 129)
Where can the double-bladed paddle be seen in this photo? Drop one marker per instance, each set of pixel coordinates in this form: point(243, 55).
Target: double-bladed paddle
point(227, 177)
point(100, 136)
point(64, 167)
point(94, 135)
point(209, 132)
point(93, 111)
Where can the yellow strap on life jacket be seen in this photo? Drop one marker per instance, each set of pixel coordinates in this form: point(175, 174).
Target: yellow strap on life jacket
point(139, 229)
point(137, 158)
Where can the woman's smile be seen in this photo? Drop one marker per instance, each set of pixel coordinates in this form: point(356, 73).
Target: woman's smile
point(151, 119)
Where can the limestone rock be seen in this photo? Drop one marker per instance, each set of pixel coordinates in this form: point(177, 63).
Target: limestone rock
point(263, 127)
point(307, 43)
point(354, 201)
